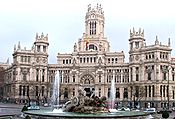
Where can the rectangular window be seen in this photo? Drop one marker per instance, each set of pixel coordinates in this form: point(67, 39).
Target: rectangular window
point(28, 90)
point(94, 59)
point(149, 91)
point(109, 60)
point(173, 77)
point(21, 58)
point(153, 90)
point(137, 91)
point(137, 77)
point(149, 75)
point(99, 78)
point(99, 92)
point(73, 78)
point(87, 59)
point(125, 93)
point(84, 60)
point(80, 60)
point(43, 75)
point(44, 48)
point(36, 93)
point(164, 76)
point(37, 74)
point(67, 61)
point(145, 91)
point(38, 48)
point(24, 90)
point(91, 59)
point(161, 90)
point(117, 93)
point(20, 90)
point(42, 93)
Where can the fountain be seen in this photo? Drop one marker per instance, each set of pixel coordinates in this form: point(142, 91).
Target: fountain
point(82, 106)
point(112, 96)
point(55, 94)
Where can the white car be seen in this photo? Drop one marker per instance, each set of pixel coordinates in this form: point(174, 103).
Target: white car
point(150, 110)
point(33, 107)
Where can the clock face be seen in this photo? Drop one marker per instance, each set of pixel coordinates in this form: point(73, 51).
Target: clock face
point(37, 59)
point(137, 57)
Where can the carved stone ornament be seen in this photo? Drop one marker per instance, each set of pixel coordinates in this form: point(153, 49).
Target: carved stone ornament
point(137, 57)
point(149, 69)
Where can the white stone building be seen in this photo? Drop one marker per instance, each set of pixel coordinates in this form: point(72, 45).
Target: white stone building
point(148, 77)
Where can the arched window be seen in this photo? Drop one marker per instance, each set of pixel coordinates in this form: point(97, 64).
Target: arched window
point(92, 47)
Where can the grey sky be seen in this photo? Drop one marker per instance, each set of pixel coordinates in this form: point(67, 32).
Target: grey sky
point(63, 20)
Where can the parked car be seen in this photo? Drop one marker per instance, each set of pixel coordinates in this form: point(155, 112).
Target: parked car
point(161, 111)
point(150, 110)
point(33, 107)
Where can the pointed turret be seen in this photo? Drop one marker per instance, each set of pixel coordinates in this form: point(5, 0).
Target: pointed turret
point(139, 34)
point(94, 21)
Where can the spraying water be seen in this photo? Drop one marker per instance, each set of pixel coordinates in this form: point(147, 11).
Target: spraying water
point(55, 94)
point(112, 93)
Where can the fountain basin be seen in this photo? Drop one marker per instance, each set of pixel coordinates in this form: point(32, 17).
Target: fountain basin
point(49, 113)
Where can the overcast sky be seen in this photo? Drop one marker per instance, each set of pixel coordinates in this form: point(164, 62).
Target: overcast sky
point(63, 20)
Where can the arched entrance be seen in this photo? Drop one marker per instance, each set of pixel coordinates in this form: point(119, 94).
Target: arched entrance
point(87, 82)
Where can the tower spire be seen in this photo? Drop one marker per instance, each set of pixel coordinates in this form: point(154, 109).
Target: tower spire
point(94, 21)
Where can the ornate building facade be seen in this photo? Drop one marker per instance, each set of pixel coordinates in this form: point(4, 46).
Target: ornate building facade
point(148, 77)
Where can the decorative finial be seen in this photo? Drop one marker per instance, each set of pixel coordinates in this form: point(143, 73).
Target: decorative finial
point(7, 61)
point(169, 42)
point(33, 47)
point(36, 35)
point(133, 30)
point(19, 46)
point(42, 35)
point(157, 41)
point(15, 47)
point(47, 37)
point(75, 47)
point(139, 30)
